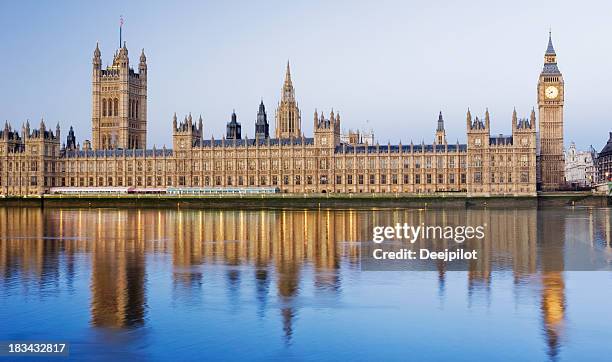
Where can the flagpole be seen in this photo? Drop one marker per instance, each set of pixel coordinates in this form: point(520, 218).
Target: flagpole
point(120, 28)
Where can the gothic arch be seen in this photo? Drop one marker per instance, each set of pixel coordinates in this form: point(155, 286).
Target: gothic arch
point(104, 107)
point(116, 106)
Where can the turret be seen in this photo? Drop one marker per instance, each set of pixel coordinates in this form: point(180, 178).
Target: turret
point(97, 60)
point(234, 128)
point(440, 131)
point(327, 131)
point(71, 140)
point(142, 66)
point(262, 128)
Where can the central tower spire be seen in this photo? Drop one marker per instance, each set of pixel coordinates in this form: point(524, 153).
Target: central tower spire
point(288, 119)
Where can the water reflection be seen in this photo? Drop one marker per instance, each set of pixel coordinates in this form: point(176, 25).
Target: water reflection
point(275, 255)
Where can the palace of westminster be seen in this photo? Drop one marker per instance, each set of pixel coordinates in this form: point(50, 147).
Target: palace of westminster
point(32, 161)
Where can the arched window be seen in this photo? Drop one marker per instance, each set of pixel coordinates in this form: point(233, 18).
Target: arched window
point(116, 107)
point(136, 115)
point(104, 107)
point(109, 112)
point(132, 108)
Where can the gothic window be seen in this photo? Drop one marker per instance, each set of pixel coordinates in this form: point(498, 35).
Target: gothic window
point(137, 105)
point(104, 107)
point(406, 163)
point(338, 179)
point(109, 111)
point(298, 180)
point(116, 107)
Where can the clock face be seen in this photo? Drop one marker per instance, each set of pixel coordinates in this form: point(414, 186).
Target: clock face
point(551, 92)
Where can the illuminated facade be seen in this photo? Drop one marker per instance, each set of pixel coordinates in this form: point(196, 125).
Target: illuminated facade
point(31, 162)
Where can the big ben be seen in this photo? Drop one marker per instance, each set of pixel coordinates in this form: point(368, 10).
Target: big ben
point(550, 105)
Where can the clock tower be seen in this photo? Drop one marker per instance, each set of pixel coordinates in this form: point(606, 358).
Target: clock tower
point(551, 93)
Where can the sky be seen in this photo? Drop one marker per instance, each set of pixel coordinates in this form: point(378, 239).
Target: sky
point(389, 66)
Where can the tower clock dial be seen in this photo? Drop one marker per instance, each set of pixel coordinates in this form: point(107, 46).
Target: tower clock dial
point(551, 92)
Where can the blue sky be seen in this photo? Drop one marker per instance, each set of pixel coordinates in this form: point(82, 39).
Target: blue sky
point(387, 65)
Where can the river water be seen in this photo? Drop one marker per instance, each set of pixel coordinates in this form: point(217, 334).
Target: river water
point(164, 284)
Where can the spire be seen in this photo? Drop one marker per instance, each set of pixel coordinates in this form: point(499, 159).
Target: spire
point(550, 50)
point(440, 122)
point(468, 118)
point(97, 51)
point(288, 73)
point(514, 116)
point(143, 57)
point(174, 121)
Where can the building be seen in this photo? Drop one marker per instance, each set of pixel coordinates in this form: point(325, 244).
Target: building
point(31, 162)
point(580, 167)
point(604, 162)
point(119, 102)
point(551, 94)
point(357, 137)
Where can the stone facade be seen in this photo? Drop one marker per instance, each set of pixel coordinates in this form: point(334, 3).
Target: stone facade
point(604, 162)
point(551, 94)
point(580, 167)
point(487, 165)
point(119, 102)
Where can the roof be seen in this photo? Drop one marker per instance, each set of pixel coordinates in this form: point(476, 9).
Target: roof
point(550, 50)
point(551, 68)
point(500, 140)
point(253, 142)
point(607, 150)
point(118, 153)
point(396, 148)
